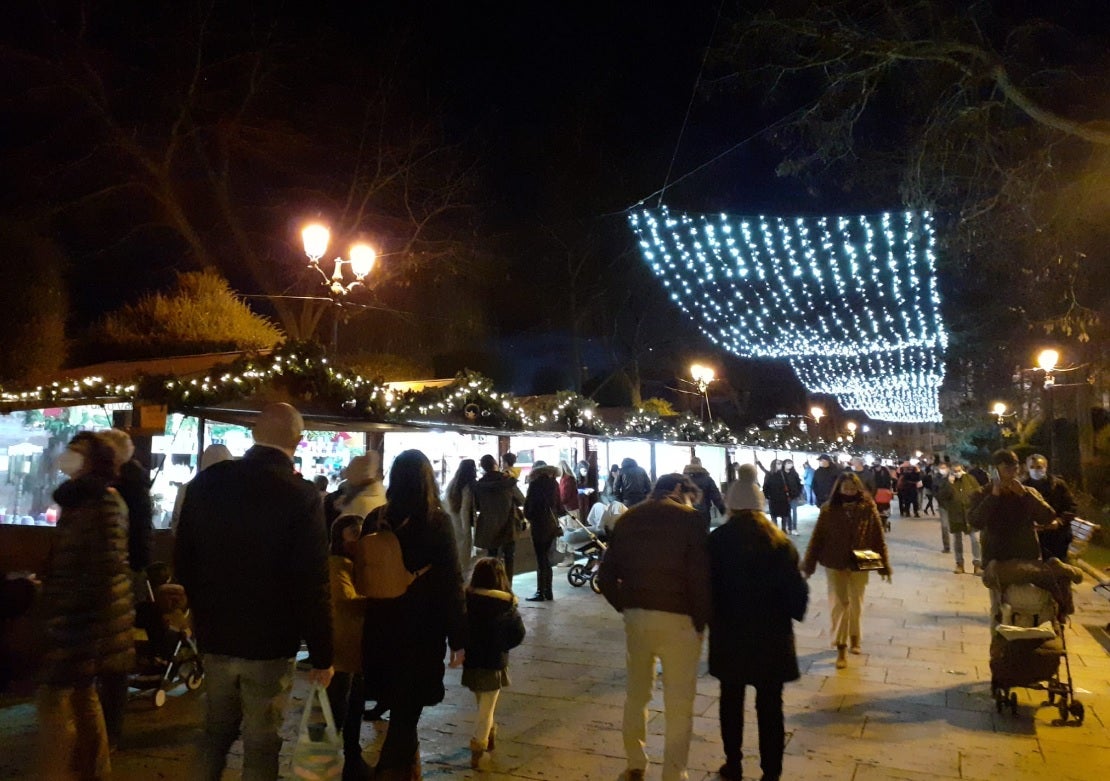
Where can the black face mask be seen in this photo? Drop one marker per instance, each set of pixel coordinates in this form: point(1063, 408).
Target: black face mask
point(852, 498)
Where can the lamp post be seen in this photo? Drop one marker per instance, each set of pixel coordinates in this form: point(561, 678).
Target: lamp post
point(316, 238)
point(1047, 360)
point(702, 377)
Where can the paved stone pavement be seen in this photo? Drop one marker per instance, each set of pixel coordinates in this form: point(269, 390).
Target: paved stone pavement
point(916, 705)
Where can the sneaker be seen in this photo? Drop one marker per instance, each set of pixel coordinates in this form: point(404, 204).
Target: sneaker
point(841, 657)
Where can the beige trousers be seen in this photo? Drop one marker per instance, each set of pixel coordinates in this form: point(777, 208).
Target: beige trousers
point(846, 589)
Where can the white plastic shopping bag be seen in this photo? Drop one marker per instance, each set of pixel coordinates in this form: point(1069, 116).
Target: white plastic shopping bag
point(319, 759)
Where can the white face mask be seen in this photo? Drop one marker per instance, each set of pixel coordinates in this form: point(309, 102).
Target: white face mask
point(70, 462)
point(1037, 474)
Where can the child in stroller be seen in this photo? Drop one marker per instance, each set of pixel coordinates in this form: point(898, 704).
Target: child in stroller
point(165, 649)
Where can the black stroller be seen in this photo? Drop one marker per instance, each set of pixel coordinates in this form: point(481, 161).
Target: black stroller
point(165, 649)
point(593, 551)
point(1028, 642)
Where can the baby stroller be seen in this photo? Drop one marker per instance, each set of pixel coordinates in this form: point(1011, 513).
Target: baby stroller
point(1027, 643)
point(583, 572)
point(165, 649)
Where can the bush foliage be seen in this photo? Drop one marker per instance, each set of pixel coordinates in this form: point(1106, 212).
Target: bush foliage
point(202, 314)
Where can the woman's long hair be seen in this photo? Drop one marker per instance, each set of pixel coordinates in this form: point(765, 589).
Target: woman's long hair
point(489, 573)
point(412, 491)
point(776, 465)
point(837, 498)
point(467, 475)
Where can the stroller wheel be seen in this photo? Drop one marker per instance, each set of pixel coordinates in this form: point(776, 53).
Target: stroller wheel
point(594, 585)
point(159, 698)
point(1013, 703)
point(193, 680)
point(1077, 710)
point(577, 575)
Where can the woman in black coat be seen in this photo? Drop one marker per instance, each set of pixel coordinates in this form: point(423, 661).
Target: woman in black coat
point(542, 508)
point(758, 591)
point(405, 639)
point(778, 495)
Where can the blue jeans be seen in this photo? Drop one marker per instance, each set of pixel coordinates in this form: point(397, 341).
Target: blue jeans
point(248, 692)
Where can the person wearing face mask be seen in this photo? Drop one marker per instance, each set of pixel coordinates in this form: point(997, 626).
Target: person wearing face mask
point(87, 610)
point(795, 490)
point(656, 574)
point(1055, 536)
point(954, 489)
point(1008, 513)
point(849, 521)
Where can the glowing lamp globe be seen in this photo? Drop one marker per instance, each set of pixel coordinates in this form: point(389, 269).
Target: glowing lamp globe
point(817, 413)
point(999, 409)
point(315, 238)
point(1047, 359)
point(362, 259)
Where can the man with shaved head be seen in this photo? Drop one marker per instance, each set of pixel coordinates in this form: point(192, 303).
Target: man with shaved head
point(251, 553)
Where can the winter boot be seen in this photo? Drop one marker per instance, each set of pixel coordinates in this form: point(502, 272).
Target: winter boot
point(854, 648)
point(841, 657)
point(477, 749)
point(492, 737)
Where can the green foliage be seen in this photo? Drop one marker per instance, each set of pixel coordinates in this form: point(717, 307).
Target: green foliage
point(390, 367)
point(33, 300)
point(202, 314)
point(659, 407)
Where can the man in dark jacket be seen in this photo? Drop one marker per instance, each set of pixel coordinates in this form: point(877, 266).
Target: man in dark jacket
point(1055, 536)
point(633, 484)
point(252, 556)
point(656, 574)
point(710, 494)
point(1008, 513)
point(824, 476)
point(497, 497)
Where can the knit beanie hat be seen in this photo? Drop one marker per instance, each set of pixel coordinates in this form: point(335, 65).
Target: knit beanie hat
point(744, 494)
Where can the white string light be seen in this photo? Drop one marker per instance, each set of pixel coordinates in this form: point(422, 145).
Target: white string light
point(850, 302)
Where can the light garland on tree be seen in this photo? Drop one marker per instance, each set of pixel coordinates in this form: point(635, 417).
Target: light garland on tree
point(851, 303)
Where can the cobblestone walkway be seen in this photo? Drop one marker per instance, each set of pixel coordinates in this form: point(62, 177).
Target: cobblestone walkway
point(916, 705)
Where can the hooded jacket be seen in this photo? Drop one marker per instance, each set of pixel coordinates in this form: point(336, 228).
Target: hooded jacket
point(710, 493)
point(494, 628)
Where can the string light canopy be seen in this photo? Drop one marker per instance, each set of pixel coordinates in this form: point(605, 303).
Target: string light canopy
point(851, 302)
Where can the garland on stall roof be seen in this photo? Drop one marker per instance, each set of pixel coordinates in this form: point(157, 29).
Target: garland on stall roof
point(308, 378)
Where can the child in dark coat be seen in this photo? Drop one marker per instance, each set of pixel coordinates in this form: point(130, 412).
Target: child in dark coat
point(495, 628)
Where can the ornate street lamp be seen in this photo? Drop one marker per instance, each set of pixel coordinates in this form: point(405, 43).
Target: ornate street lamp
point(702, 377)
point(361, 261)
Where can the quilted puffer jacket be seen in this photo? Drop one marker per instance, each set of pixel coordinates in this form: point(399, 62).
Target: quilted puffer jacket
point(86, 604)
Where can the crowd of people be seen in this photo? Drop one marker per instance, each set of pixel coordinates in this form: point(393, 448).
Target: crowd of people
point(381, 586)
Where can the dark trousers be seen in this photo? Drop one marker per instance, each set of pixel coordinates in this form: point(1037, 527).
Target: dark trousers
point(112, 688)
point(544, 574)
point(401, 747)
point(507, 554)
point(768, 712)
point(345, 693)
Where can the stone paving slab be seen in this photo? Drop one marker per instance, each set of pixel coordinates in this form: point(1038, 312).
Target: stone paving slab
point(915, 705)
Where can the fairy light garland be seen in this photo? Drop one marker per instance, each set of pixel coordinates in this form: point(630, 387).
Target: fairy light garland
point(851, 302)
point(305, 373)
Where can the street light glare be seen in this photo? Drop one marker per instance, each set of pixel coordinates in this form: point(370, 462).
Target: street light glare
point(1048, 359)
point(362, 259)
point(702, 374)
point(999, 408)
point(817, 413)
point(315, 238)
point(851, 426)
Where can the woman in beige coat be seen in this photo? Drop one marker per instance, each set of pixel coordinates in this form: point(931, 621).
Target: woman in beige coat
point(848, 521)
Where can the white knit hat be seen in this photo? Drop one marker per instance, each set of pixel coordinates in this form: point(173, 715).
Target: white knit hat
point(744, 494)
